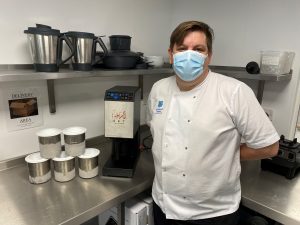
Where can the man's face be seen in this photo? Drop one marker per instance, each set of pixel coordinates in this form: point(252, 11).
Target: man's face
point(195, 40)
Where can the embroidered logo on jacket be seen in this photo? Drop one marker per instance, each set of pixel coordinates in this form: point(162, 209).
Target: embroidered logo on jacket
point(159, 106)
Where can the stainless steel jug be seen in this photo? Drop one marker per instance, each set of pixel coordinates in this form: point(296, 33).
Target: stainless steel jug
point(85, 49)
point(45, 46)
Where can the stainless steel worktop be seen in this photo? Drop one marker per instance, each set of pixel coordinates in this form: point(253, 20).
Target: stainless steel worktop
point(270, 194)
point(78, 200)
point(73, 202)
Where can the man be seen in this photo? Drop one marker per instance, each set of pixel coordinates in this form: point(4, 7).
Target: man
point(197, 119)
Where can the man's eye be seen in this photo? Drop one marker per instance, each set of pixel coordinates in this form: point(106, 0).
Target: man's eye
point(199, 50)
point(181, 49)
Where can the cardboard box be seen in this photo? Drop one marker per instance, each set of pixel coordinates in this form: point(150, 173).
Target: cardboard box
point(147, 199)
point(22, 108)
point(135, 212)
point(109, 216)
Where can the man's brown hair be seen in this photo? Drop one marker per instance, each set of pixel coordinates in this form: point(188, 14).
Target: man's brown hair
point(183, 29)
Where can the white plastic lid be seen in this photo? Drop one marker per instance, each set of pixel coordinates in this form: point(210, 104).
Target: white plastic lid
point(63, 157)
point(35, 158)
point(90, 153)
point(48, 132)
point(74, 130)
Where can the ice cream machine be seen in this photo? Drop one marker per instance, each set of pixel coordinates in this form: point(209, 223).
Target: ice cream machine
point(122, 122)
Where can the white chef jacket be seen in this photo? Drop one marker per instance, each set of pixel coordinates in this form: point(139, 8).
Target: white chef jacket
point(196, 144)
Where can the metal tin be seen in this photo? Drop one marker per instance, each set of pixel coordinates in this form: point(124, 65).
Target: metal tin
point(49, 140)
point(74, 139)
point(64, 167)
point(88, 163)
point(39, 168)
point(74, 135)
point(64, 163)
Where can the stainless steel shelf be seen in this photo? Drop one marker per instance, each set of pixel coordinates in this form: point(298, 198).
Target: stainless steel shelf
point(14, 73)
point(241, 73)
point(29, 74)
point(17, 73)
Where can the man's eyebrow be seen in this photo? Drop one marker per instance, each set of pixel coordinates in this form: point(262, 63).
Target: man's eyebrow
point(200, 45)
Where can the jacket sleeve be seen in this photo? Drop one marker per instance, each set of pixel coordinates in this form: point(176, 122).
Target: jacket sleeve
point(251, 120)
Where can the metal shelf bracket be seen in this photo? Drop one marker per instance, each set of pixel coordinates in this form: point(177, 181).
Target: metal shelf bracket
point(51, 96)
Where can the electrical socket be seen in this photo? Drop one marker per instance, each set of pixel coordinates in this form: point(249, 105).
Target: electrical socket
point(269, 113)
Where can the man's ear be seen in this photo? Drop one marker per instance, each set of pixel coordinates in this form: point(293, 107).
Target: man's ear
point(209, 56)
point(170, 55)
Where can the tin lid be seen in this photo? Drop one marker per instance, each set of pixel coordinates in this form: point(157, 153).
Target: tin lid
point(48, 132)
point(74, 130)
point(63, 157)
point(90, 153)
point(35, 158)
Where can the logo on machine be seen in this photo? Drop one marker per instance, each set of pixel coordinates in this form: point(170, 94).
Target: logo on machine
point(119, 117)
point(159, 106)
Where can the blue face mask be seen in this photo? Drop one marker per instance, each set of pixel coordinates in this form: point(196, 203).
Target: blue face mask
point(188, 65)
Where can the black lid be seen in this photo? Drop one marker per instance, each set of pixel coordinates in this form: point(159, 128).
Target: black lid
point(119, 36)
point(38, 25)
point(78, 34)
point(42, 29)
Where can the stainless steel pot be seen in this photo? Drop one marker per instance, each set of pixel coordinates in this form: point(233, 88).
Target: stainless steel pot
point(85, 49)
point(45, 46)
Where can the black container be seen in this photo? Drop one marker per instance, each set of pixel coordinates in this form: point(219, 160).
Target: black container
point(121, 60)
point(120, 42)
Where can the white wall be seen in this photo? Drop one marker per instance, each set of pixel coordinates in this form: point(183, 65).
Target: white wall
point(79, 101)
point(242, 29)
point(145, 21)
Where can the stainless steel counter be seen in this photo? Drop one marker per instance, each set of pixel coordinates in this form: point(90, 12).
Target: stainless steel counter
point(73, 202)
point(270, 194)
point(76, 201)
